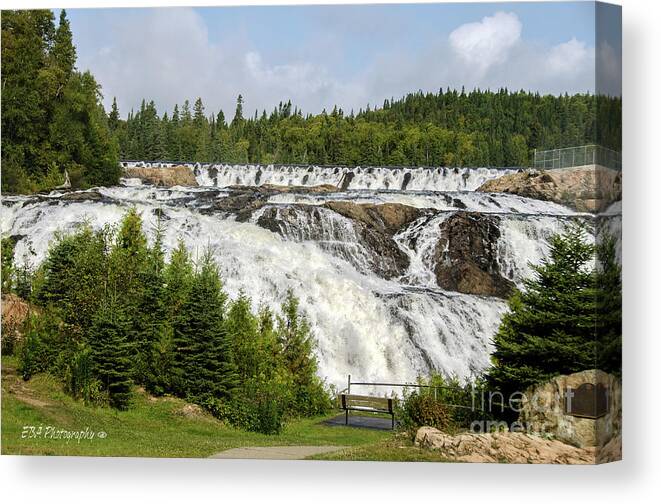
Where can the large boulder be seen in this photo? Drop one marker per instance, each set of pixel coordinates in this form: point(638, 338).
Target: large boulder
point(466, 255)
point(509, 447)
point(164, 177)
point(361, 234)
point(589, 188)
point(543, 410)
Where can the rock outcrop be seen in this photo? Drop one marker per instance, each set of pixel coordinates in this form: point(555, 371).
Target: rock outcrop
point(362, 234)
point(589, 188)
point(466, 255)
point(164, 177)
point(14, 310)
point(244, 200)
point(387, 218)
point(509, 447)
point(79, 196)
point(543, 410)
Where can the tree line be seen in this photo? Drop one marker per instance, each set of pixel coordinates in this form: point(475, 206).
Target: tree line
point(53, 120)
point(109, 312)
point(448, 128)
point(52, 116)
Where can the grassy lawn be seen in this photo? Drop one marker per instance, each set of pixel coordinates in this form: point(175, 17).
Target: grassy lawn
point(397, 448)
point(153, 427)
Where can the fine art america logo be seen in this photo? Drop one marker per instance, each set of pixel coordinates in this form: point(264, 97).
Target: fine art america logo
point(55, 433)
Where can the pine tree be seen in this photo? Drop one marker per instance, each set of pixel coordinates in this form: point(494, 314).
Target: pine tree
point(609, 307)
point(550, 328)
point(178, 281)
point(151, 324)
point(243, 331)
point(296, 341)
point(113, 117)
point(63, 51)
point(204, 367)
point(111, 354)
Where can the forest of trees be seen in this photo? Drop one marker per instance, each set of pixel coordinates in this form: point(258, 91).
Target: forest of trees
point(109, 312)
point(53, 120)
point(449, 128)
point(52, 117)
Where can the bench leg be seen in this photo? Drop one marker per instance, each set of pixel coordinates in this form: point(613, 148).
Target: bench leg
point(346, 417)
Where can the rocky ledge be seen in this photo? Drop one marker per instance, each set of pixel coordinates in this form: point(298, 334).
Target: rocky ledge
point(164, 177)
point(244, 200)
point(371, 227)
point(589, 188)
point(466, 255)
point(513, 447)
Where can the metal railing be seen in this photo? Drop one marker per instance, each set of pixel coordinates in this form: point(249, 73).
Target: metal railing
point(483, 397)
point(577, 156)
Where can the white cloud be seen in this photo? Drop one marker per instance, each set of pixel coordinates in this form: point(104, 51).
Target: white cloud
point(569, 57)
point(487, 42)
point(167, 55)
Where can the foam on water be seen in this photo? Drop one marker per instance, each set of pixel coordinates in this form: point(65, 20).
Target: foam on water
point(374, 329)
point(375, 178)
point(364, 325)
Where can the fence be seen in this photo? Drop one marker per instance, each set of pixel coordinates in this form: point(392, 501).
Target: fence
point(578, 156)
point(481, 400)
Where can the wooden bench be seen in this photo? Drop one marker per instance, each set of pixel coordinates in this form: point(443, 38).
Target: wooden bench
point(370, 404)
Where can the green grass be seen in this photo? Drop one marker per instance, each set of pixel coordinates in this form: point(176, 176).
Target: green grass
point(394, 449)
point(153, 427)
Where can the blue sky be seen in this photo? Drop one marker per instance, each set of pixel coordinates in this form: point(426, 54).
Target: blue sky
point(318, 56)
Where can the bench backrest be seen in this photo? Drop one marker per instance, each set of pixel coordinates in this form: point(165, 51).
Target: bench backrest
point(368, 402)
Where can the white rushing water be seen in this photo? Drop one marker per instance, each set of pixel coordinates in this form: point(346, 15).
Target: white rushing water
point(376, 178)
point(366, 326)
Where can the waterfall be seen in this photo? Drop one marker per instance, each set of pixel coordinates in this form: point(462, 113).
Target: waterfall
point(373, 328)
point(375, 178)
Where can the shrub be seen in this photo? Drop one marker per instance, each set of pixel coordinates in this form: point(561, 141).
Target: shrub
point(420, 409)
point(79, 379)
point(38, 349)
point(259, 407)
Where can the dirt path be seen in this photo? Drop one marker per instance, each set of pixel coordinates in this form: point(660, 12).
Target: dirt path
point(275, 452)
point(13, 384)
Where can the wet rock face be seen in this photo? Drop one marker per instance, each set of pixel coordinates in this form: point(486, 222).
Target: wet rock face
point(244, 200)
point(361, 234)
point(466, 256)
point(241, 203)
point(388, 218)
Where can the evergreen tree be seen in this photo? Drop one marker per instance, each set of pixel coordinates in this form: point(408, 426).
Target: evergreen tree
point(204, 368)
point(550, 328)
point(113, 117)
point(111, 354)
point(243, 330)
point(52, 118)
point(296, 341)
point(609, 307)
point(151, 328)
point(63, 51)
